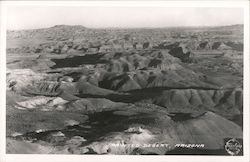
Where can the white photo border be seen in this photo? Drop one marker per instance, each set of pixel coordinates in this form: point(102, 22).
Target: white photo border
point(124, 158)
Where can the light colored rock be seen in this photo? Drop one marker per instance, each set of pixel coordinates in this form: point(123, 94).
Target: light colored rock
point(57, 101)
point(34, 102)
point(21, 78)
point(58, 134)
point(45, 103)
point(16, 134)
point(75, 141)
point(40, 130)
point(71, 123)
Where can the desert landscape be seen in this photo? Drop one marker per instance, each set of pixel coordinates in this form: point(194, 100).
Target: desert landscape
point(72, 89)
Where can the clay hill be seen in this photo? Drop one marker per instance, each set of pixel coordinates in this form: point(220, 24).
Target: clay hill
point(77, 90)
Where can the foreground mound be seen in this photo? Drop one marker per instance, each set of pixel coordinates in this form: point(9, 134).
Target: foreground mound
point(136, 129)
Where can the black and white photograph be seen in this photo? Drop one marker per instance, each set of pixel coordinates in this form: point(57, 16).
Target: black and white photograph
point(136, 80)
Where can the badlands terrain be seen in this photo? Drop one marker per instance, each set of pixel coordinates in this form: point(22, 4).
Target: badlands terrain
point(77, 90)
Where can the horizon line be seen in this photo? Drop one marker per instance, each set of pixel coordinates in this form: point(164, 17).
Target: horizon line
point(181, 26)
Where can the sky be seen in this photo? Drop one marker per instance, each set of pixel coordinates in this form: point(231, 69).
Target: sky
point(33, 17)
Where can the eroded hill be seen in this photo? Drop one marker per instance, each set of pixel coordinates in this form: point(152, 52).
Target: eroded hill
point(72, 89)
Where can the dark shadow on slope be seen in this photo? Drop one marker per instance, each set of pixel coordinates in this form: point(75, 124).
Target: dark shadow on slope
point(140, 94)
point(235, 46)
point(237, 119)
point(77, 61)
point(99, 125)
point(181, 116)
